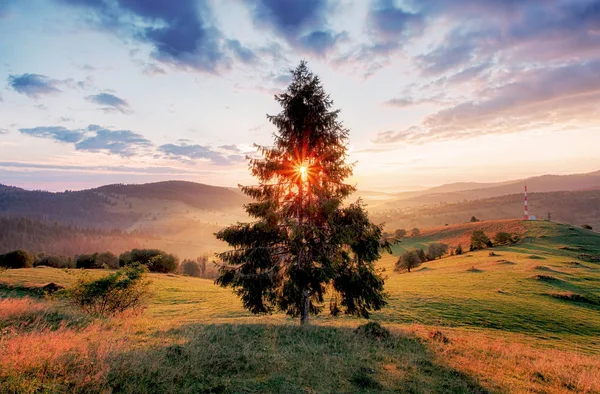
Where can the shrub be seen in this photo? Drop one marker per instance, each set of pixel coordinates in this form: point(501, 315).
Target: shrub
point(16, 259)
point(459, 250)
point(373, 330)
point(190, 268)
point(415, 232)
point(156, 260)
point(474, 219)
point(479, 240)
point(502, 238)
point(439, 336)
point(126, 289)
point(587, 227)
point(408, 260)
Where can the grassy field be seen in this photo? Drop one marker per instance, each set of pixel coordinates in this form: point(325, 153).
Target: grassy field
point(525, 320)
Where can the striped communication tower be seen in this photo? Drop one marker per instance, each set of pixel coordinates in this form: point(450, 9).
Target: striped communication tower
point(526, 216)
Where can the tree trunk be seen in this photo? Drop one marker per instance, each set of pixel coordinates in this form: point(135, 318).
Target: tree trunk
point(304, 308)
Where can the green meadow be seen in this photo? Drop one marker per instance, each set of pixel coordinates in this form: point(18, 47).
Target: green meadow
point(525, 319)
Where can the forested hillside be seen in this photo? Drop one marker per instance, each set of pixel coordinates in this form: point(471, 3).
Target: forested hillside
point(35, 236)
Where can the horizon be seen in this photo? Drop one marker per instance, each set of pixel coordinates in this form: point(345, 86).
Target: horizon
point(414, 188)
point(432, 92)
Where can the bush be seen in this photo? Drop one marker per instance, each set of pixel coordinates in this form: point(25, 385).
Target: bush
point(16, 259)
point(156, 260)
point(474, 219)
point(373, 330)
point(190, 268)
point(126, 289)
point(479, 240)
point(587, 227)
point(408, 260)
point(502, 238)
point(415, 232)
point(459, 250)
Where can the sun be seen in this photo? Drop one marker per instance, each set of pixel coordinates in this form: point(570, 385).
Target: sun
point(303, 170)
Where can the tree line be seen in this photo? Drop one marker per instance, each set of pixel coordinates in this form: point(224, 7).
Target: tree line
point(154, 260)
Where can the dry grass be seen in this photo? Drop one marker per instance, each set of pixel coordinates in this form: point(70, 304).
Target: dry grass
point(515, 367)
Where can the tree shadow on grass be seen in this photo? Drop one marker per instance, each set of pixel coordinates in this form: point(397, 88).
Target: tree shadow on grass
point(259, 358)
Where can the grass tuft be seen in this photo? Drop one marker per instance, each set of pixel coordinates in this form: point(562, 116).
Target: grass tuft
point(545, 278)
point(570, 296)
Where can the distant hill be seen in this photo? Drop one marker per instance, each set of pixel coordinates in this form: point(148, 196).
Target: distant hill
point(456, 192)
point(196, 195)
point(112, 206)
point(574, 207)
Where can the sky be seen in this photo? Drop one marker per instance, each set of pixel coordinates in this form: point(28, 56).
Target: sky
point(433, 91)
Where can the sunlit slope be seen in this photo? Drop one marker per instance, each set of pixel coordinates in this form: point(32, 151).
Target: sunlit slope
point(475, 290)
point(540, 287)
point(458, 234)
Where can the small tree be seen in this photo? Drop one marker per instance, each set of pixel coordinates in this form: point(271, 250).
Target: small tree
point(421, 254)
point(409, 260)
point(436, 250)
point(126, 289)
point(190, 268)
point(479, 240)
point(400, 233)
point(474, 219)
point(415, 232)
point(587, 227)
point(202, 260)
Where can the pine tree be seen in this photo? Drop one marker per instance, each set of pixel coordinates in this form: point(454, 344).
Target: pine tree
point(304, 243)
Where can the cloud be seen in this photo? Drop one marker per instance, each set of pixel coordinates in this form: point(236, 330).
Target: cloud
point(510, 31)
point(3, 131)
point(110, 101)
point(548, 98)
point(182, 33)
point(303, 23)
point(109, 169)
point(57, 133)
point(94, 138)
point(186, 151)
point(33, 85)
point(120, 142)
point(390, 25)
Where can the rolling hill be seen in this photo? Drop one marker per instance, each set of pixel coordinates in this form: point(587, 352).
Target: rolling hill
point(574, 207)
point(457, 192)
point(525, 320)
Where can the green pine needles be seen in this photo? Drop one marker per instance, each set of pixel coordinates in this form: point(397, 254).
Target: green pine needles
point(304, 244)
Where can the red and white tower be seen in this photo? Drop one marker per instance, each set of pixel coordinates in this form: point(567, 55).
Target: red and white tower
point(526, 217)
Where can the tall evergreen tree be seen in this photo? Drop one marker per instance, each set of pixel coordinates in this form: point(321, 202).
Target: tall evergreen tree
point(305, 243)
